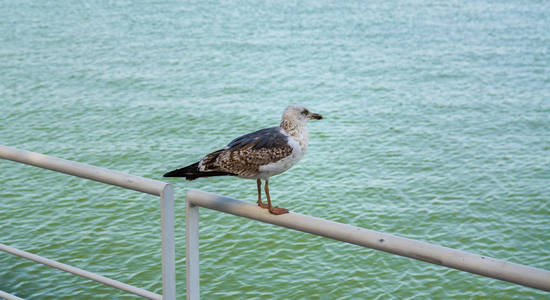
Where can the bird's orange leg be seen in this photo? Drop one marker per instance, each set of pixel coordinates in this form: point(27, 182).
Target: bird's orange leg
point(260, 203)
point(273, 209)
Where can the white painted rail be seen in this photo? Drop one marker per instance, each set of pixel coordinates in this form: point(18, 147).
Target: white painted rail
point(4, 295)
point(82, 273)
point(144, 185)
point(456, 259)
point(132, 182)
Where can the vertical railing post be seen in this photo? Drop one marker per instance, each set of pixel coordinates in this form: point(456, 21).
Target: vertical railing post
point(168, 243)
point(192, 249)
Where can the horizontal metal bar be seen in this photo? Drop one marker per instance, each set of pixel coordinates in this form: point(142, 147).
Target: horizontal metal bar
point(145, 185)
point(456, 259)
point(4, 295)
point(82, 273)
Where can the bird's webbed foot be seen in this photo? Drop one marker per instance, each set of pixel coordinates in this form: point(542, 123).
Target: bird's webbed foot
point(262, 205)
point(278, 210)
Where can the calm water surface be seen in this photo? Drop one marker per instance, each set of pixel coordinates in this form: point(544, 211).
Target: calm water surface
point(437, 128)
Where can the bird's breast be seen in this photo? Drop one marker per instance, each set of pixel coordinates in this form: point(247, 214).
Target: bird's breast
point(283, 164)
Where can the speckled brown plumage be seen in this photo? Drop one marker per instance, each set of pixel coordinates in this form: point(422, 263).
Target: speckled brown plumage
point(244, 156)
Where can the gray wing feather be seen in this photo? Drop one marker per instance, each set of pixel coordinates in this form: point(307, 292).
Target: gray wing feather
point(264, 138)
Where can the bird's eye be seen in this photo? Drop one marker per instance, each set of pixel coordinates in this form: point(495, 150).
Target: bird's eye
point(305, 112)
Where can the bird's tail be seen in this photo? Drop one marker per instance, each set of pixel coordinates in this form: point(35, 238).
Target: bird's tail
point(191, 172)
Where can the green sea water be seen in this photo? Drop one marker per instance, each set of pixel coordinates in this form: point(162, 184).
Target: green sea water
point(437, 128)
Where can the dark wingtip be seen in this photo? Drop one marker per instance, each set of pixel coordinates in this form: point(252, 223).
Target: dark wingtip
point(183, 172)
point(168, 174)
point(191, 172)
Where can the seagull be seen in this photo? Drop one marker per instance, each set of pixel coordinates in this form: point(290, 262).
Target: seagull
point(258, 155)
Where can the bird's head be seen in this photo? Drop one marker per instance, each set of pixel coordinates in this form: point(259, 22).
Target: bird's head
point(299, 114)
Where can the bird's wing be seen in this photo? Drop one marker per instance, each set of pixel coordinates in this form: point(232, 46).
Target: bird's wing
point(263, 138)
point(244, 155)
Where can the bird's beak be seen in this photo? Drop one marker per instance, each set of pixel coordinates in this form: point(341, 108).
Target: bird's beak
point(315, 116)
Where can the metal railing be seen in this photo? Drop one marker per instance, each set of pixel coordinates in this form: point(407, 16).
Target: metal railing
point(456, 259)
point(127, 181)
point(477, 264)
